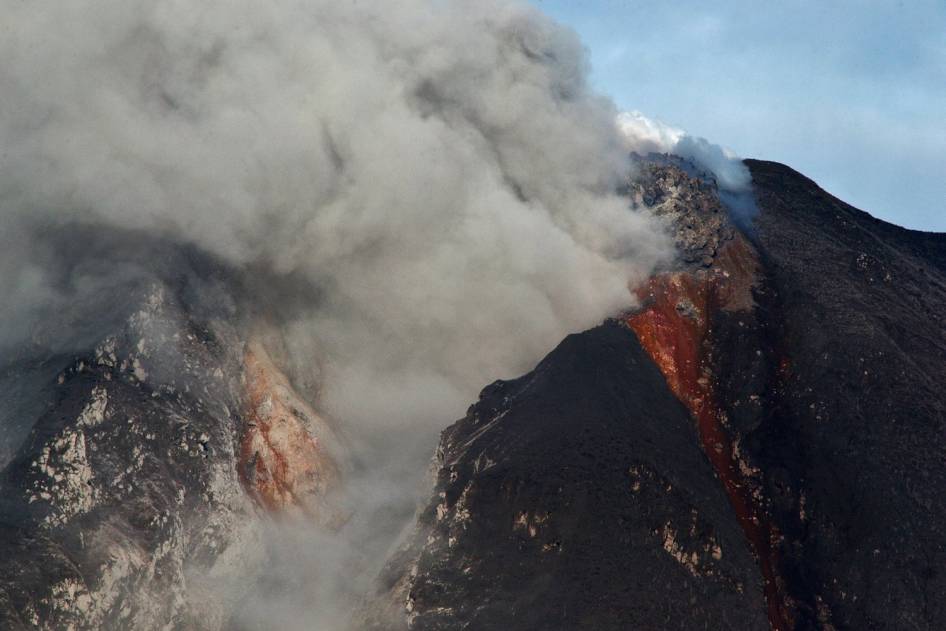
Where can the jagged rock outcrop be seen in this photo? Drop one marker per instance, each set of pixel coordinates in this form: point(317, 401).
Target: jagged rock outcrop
point(687, 198)
point(126, 496)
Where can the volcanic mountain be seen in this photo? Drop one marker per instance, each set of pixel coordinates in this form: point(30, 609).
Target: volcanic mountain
point(758, 446)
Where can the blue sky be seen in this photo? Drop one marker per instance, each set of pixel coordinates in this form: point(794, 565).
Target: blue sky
point(850, 93)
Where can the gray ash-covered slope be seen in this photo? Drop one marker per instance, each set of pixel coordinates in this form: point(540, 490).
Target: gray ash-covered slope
point(854, 448)
point(577, 497)
point(124, 482)
point(123, 496)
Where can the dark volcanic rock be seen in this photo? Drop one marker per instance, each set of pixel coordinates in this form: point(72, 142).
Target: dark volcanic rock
point(577, 497)
point(853, 447)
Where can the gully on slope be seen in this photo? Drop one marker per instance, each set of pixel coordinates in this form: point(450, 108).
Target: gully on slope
point(675, 327)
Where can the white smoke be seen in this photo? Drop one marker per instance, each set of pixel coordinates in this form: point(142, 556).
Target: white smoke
point(651, 135)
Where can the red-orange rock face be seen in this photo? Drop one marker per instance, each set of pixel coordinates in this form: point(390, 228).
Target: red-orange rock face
point(675, 328)
point(284, 464)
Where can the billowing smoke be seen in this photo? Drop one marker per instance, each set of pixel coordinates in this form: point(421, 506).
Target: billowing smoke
point(439, 173)
point(645, 134)
point(652, 135)
point(439, 169)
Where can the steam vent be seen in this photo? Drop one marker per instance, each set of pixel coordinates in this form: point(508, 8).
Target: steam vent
point(758, 446)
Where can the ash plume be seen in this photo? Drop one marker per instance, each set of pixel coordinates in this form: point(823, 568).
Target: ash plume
point(440, 170)
point(438, 175)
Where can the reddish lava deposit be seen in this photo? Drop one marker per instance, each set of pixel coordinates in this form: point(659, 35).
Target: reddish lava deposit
point(282, 465)
point(675, 329)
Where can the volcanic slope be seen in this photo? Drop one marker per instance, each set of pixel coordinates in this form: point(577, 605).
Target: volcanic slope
point(758, 446)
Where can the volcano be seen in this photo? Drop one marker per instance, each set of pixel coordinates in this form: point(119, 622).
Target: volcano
point(759, 445)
